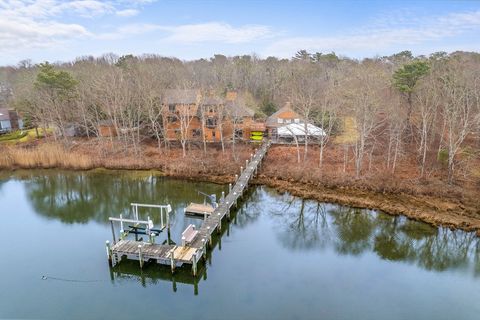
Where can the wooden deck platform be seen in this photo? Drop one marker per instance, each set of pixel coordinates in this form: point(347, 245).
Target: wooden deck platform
point(199, 209)
point(159, 252)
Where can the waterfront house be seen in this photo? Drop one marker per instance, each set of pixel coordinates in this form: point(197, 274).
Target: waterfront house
point(188, 113)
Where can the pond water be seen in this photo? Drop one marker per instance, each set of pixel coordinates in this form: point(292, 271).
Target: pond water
point(281, 257)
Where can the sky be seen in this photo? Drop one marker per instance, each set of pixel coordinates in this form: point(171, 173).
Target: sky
point(61, 30)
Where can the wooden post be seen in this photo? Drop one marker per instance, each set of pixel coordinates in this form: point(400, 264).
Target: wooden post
point(113, 232)
point(140, 256)
point(236, 177)
point(109, 252)
point(121, 225)
point(241, 169)
point(209, 236)
point(194, 265)
point(223, 196)
point(229, 187)
point(246, 164)
point(219, 227)
point(152, 237)
point(172, 259)
point(204, 246)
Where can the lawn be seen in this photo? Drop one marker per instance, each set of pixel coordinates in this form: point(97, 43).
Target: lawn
point(22, 135)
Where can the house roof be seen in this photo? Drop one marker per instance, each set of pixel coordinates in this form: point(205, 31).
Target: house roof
point(4, 114)
point(238, 108)
point(272, 120)
point(297, 129)
point(180, 96)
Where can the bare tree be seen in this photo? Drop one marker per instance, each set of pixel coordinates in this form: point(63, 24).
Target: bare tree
point(459, 89)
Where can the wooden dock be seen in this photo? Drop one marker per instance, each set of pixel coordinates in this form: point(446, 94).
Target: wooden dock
point(190, 254)
point(214, 221)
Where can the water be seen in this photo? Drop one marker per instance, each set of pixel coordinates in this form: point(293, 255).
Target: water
point(281, 257)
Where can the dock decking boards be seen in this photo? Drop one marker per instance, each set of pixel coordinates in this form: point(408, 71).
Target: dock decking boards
point(199, 209)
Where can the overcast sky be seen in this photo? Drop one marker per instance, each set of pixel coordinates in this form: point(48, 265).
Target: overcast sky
point(56, 30)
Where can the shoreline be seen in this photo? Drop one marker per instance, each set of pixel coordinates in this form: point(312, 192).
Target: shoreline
point(435, 211)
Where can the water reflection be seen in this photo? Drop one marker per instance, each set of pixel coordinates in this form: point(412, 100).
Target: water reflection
point(73, 197)
point(150, 276)
point(309, 225)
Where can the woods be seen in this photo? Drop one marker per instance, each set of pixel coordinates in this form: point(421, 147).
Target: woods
point(402, 110)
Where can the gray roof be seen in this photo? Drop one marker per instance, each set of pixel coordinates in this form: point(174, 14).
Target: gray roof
point(237, 108)
point(180, 96)
point(4, 114)
point(272, 120)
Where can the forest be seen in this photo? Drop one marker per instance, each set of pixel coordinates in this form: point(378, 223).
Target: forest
point(414, 117)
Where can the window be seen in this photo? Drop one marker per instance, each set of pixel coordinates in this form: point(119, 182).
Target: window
point(296, 120)
point(171, 119)
point(288, 120)
point(279, 120)
point(171, 107)
point(238, 133)
point(211, 122)
point(196, 133)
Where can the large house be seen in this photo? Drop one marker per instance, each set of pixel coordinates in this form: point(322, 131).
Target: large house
point(10, 120)
point(188, 113)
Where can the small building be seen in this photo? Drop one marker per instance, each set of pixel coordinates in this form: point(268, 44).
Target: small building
point(10, 120)
point(284, 116)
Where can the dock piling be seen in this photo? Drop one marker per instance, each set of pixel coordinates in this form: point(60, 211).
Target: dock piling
point(140, 256)
point(194, 265)
point(109, 252)
point(172, 260)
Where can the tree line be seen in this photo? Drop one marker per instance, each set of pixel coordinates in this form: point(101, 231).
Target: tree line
point(400, 105)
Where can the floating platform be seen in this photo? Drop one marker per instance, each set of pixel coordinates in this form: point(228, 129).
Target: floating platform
point(199, 209)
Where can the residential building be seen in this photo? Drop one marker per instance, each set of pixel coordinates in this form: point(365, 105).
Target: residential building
point(188, 113)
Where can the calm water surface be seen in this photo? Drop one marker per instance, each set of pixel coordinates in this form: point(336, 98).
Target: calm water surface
point(281, 257)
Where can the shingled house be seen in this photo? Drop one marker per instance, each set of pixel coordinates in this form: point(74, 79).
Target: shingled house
point(223, 117)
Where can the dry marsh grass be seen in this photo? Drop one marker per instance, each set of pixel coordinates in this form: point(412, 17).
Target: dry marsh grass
point(44, 156)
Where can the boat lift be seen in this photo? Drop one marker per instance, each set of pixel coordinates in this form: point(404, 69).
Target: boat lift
point(145, 227)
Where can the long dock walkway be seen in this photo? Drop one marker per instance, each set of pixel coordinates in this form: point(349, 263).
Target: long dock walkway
point(191, 252)
point(214, 220)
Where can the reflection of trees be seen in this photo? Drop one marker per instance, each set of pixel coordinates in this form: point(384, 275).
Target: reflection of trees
point(354, 230)
point(249, 209)
point(388, 243)
point(75, 197)
point(306, 225)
